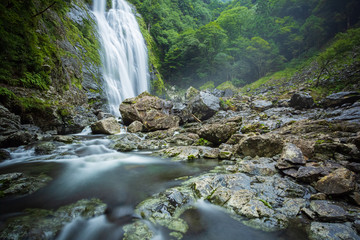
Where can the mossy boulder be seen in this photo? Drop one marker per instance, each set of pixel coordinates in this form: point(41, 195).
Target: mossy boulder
point(262, 146)
point(45, 148)
point(338, 182)
point(109, 126)
point(153, 112)
point(218, 133)
point(47, 224)
point(16, 184)
point(204, 105)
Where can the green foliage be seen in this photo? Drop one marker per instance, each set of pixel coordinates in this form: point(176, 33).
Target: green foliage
point(202, 142)
point(227, 104)
point(26, 53)
point(240, 41)
point(29, 47)
point(256, 127)
point(63, 112)
point(277, 77)
point(6, 94)
point(344, 43)
point(207, 85)
point(35, 80)
point(227, 85)
point(265, 203)
point(157, 85)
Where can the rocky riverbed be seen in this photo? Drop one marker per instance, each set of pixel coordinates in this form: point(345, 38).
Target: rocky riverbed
point(288, 167)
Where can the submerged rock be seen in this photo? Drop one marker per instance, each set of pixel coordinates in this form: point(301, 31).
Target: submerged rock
point(45, 148)
point(64, 138)
point(109, 126)
point(137, 230)
point(47, 224)
point(15, 184)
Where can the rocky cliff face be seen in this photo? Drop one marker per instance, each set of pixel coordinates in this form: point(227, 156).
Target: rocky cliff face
point(60, 93)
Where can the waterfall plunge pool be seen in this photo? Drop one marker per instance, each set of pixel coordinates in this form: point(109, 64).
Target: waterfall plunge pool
point(89, 169)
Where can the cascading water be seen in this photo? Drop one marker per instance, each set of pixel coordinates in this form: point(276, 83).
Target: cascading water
point(124, 53)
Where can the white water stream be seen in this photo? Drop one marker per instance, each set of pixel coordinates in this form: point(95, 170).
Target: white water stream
point(124, 53)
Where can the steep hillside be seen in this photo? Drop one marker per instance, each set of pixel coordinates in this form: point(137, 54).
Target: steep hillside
point(50, 63)
point(334, 69)
point(240, 41)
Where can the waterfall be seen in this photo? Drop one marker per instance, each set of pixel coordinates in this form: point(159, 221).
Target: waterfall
point(123, 52)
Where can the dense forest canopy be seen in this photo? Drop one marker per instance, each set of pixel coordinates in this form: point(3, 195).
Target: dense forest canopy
point(202, 41)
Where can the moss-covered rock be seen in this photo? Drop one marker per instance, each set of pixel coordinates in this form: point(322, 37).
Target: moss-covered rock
point(15, 184)
point(46, 224)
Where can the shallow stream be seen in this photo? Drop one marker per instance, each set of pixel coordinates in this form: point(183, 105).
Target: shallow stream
point(88, 168)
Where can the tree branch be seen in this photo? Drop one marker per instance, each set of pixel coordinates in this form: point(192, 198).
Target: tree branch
point(39, 13)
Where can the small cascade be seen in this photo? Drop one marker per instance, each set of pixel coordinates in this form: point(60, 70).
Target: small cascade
point(124, 53)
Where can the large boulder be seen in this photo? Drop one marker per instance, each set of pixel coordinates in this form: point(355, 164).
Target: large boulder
point(151, 111)
point(9, 122)
point(218, 133)
point(16, 139)
point(262, 146)
point(204, 105)
point(107, 126)
point(340, 181)
point(340, 98)
point(156, 120)
point(301, 100)
point(11, 134)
